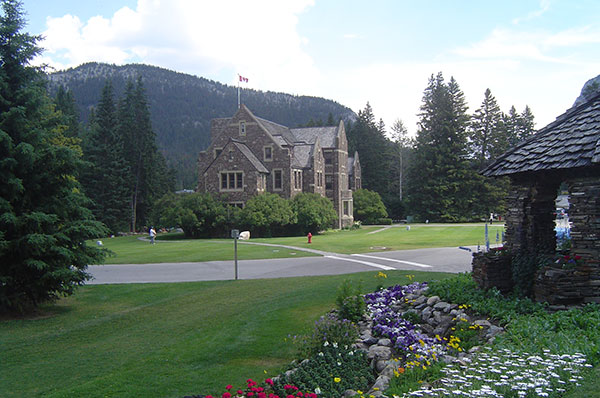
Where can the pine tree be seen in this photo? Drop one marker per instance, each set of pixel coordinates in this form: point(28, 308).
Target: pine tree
point(368, 138)
point(488, 138)
point(105, 178)
point(44, 223)
point(441, 178)
point(526, 123)
point(149, 177)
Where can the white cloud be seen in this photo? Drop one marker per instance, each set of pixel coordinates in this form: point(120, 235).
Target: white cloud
point(258, 39)
point(544, 6)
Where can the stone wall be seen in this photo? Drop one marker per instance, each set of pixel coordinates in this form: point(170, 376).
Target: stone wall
point(493, 270)
point(584, 213)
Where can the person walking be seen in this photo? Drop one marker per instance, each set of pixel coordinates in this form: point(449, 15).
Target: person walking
point(152, 235)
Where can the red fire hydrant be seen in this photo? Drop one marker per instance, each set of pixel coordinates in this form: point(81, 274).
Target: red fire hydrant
point(309, 236)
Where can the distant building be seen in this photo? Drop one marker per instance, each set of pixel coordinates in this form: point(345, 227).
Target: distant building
point(249, 155)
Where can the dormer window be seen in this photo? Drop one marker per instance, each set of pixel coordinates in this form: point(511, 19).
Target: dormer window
point(268, 152)
point(242, 129)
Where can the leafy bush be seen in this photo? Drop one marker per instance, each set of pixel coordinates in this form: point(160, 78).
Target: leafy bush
point(327, 329)
point(267, 215)
point(333, 370)
point(462, 289)
point(368, 206)
point(314, 212)
point(562, 332)
point(384, 221)
point(350, 303)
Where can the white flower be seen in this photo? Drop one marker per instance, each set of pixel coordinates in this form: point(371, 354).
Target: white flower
point(317, 390)
point(335, 345)
point(325, 344)
point(320, 354)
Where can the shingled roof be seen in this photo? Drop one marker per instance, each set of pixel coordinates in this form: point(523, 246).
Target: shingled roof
point(571, 141)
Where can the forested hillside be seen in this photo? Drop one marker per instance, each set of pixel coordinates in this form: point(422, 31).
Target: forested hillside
point(182, 106)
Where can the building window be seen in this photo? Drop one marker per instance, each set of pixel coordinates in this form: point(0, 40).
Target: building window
point(268, 151)
point(242, 129)
point(328, 181)
point(239, 205)
point(328, 157)
point(261, 183)
point(357, 181)
point(297, 179)
point(277, 180)
point(232, 181)
point(346, 204)
point(218, 151)
point(319, 179)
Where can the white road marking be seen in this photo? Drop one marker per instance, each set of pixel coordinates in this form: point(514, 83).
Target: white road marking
point(394, 260)
point(383, 267)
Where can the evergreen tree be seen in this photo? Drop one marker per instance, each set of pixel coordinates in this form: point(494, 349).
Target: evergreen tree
point(149, 177)
point(527, 124)
point(106, 176)
point(511, 123)
point(368, 138)
point(441, 178)
point(65, 103)
point(488, 138)
point(44, 223)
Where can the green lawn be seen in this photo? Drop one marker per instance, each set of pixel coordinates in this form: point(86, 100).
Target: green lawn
point(130, 250)
point(166, 340)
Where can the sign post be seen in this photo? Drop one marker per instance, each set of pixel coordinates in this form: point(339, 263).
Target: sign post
point(235, 234)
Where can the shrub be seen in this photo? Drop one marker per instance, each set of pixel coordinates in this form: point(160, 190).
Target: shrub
point(368, 206)
point(332, 371)
point(329, 329)
point(350, 304)
point(314, 212)
point(384, 221)
point(462, 289)
point(267, 215)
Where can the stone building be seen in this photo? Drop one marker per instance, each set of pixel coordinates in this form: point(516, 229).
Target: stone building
point(566, 152)
point(249, 155)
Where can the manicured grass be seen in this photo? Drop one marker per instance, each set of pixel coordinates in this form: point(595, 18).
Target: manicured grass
point(130, 250)
point(166, 340)
point(419, 236)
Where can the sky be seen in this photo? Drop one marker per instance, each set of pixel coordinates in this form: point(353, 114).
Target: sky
point(527, 52)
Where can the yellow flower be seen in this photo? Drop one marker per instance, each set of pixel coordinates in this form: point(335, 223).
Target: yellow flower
point(359, 392)
point(337, 379)
point(381, 275)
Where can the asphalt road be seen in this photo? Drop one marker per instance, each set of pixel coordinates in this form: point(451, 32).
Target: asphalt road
point(436, 259)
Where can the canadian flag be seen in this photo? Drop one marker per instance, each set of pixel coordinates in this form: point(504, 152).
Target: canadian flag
point(243, 79)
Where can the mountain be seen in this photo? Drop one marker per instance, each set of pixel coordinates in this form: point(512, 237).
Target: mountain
point(182, 106)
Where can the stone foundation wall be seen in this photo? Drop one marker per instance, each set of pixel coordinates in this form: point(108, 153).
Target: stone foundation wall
point(565, 287)
point(584, 213)
point(492, 271)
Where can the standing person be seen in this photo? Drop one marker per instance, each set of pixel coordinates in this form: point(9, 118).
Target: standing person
point(152, 235)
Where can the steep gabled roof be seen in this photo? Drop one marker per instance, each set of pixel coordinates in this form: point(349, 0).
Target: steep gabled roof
point(308, 135)
point(571, 141)
point(257, 164)
point(254, 161)
point(302, 155)
point(277, 130)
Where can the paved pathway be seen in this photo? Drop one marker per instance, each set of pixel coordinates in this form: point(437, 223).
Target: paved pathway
point(435, 259)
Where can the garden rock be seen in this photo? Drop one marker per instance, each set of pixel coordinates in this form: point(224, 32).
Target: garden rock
point(433, 300)
point(385, 342)
point(378, 352)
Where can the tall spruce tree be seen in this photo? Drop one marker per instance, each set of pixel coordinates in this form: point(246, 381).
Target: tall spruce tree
point(44, 223)
point(149, 177)
point(441, 178)
point(487, 134)
point(106, 176)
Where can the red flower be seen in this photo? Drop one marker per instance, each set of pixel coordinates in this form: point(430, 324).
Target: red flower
point(228, 387)
point(269, 382)
point(240, 392)
point(290, 396)
point(250, 394)
point(577, 258)
point(226, 395)
point(262, 395)
point(299, 394)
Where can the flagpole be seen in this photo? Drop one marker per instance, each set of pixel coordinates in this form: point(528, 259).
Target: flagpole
point(239, 91)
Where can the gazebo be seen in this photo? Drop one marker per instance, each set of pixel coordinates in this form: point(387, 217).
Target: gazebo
point(567, 151)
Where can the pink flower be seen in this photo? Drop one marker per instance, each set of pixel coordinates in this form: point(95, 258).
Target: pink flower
point(250, 394)
point(240, 392)
point(299, 394)
point(226, 395)
point(577, 258)
point(290, 396)
point(269, 382)
point(262, 395)
point(228, 387)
